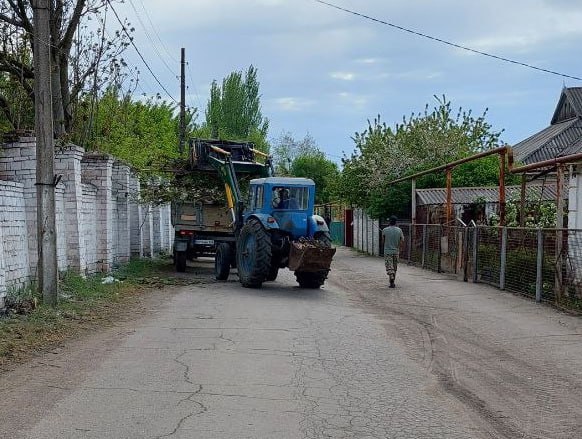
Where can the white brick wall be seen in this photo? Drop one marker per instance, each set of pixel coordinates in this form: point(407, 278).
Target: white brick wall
point(89, 227)
point(15, 263)
point(61, 227)
point(98, 218)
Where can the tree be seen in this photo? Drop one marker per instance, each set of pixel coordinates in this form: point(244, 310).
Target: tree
point(142, 133)
point(420, 142)
point(286, 149)
point(322, 171)
point(234, 109)
point(93, 56)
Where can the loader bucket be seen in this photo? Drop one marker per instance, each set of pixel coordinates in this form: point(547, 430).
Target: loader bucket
point(310, 256)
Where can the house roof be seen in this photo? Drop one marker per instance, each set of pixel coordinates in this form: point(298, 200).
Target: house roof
point(469, 195)
point(562, 137)
point(569, 105)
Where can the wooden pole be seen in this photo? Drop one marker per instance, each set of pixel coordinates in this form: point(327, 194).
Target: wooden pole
point(182, 100)
point(45, 159)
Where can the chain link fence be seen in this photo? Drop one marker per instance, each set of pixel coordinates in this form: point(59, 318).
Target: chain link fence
point(544, 264)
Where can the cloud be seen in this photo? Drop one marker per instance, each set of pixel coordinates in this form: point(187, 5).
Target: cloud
point(344, 76)
point(290, 103)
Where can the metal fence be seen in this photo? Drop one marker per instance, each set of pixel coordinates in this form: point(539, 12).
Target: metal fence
point(545, 264)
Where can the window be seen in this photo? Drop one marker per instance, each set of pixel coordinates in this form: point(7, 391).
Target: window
point(288, 197)
point(256, 199)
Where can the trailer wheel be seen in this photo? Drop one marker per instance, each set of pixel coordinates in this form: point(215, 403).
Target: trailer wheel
point(180, 260)
point(314, 280)
point(222, 261)
point(253, 254)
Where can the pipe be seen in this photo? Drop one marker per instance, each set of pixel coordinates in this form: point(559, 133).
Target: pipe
point(548, 163)
point(500, 150)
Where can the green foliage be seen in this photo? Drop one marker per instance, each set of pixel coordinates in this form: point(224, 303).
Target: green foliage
point(234, 109)
point(420, 142)
point(321, 170)
point(143, 134)
point(540, 214)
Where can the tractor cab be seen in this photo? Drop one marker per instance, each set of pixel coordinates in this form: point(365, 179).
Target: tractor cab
point(285, 203)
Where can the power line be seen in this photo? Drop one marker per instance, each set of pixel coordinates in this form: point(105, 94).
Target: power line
point(449, 43)
point(139, 53)
point(172, 58)
point(173, 72)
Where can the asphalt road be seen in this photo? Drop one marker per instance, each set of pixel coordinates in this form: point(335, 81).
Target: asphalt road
point(433, 358)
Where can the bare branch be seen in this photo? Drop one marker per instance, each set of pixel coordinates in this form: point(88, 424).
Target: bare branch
point(67, 39)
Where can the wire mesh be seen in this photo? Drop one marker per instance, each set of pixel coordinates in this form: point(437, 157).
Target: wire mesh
point(475, 253)
point(488, 254)
point(521, 261)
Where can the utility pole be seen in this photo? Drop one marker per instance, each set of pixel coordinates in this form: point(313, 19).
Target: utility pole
point(182, 100)
point(45, 155)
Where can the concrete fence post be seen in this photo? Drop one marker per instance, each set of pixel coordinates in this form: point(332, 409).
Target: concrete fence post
point(502, 264)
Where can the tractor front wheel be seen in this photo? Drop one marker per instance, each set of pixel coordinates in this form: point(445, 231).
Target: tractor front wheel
point(314, 279)
point(253, 254)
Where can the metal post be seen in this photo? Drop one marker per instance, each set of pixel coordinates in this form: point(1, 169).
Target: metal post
point(503, 258)
point(449, 195)
point(413, 219)
point(410, 235)
point(540, 260)
point(559, 231)
point(423, 244)
point(440, 250)
point(475, 253)
point(502, 188)
point(522, 201)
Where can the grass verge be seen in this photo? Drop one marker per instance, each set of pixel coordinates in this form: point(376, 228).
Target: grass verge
point(84, 303)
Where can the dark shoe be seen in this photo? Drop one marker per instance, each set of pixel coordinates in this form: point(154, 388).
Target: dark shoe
point(392, 284)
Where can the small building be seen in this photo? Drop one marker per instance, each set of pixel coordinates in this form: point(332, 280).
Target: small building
point(474, 203)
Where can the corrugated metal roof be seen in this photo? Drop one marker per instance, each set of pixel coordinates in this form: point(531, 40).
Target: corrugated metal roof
point(528, 147)
point(562, 137)
point(575, 96)
point(569, 105)
point(469, 195)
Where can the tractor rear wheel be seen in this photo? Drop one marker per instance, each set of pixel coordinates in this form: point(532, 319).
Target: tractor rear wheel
point(222, 261)
point(253, 254)
point(314, 279)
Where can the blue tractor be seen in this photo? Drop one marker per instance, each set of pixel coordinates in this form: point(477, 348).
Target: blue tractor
point(275, 228)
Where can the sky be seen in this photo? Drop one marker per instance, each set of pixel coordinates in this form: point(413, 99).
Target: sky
point(326, 72)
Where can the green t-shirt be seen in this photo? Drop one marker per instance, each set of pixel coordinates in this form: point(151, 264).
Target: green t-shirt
point(392, 237)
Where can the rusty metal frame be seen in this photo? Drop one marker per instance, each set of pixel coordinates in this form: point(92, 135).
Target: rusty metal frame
point(505, 155)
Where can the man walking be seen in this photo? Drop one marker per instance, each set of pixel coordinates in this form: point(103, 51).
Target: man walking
point(393, 239)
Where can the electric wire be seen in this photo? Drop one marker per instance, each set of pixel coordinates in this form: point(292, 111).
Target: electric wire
point(171, 56)
point(151, 40)
point(139, 53)
point(449, 43)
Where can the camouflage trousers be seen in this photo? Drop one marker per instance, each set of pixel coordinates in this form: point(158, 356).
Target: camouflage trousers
point(391, 263)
